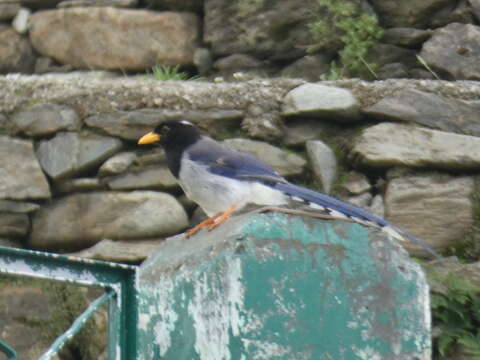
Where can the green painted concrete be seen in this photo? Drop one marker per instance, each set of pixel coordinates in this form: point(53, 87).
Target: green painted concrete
point(276, 286)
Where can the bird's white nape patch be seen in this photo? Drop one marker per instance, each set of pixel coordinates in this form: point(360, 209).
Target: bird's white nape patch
point(185, 122)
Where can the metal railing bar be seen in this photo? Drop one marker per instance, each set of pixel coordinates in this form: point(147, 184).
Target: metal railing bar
point(53, 266)
point(8, 351)
point(77, 325)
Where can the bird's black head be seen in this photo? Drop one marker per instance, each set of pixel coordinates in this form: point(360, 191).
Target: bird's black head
point(175, 137)
point(172, 134)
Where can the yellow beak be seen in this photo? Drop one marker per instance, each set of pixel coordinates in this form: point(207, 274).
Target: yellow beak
point(149, 138)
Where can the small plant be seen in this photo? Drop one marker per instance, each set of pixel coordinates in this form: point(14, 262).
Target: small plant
point(456, 312)
point(425, 65)
point(169, 72)
point(348, 29)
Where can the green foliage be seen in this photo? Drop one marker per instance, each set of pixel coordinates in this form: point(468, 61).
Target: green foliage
point(457, 314)
point(168, 72)
point(348, 29)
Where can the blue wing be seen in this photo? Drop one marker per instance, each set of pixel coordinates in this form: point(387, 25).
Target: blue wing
point(232, 164)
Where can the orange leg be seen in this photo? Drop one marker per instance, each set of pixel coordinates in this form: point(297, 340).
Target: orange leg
point(212, 222)
point(223, 217)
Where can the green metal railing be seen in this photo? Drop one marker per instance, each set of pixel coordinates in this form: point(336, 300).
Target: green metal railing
point(118, 280)
point(8, 351)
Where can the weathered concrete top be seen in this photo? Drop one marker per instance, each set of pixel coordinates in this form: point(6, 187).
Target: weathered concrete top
point(274, 286)
point(93, 93)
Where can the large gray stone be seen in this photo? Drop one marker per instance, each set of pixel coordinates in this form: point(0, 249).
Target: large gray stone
point(139, 170)
point(355, 183)
point(14, 225)
point(37, 4)
point(8, 11)
point(309, 67)
point(324, 163)
point(117, 164)
point(20, 175)
point(475, 5)
point(44, 119)
point(377, 206)
point(153, 177)
point(257, 28)
point(69, 154)
point(362, 201)
point(455, 51)
point(98, 3)
point(389, 144)
point(410, 13)
point(175, 5)
point(263, 122)
point(11, 243)
point(237, 62)
point(437, 209)
point(81, 220)
point(408, 37)
point(80, 185)
point(133, 251)
point(4, 124)
point(285, 163)
point(109, 38)
point(18, 207)
point(131, 125)
point(16, 53)
point(387, 54)
point(202, 59)
point(318, 100)
point(449, 268)
point(299, 132)
point(428, 109)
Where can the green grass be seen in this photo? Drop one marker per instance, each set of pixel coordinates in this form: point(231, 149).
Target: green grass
point(426, 66)
point(170, 72)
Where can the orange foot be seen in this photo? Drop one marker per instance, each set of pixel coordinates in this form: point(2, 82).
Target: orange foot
point(212, 222)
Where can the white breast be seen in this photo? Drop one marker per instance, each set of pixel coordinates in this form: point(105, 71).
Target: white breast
point(215, 193)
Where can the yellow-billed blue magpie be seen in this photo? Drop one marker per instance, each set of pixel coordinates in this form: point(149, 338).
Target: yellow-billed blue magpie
point(221, 180)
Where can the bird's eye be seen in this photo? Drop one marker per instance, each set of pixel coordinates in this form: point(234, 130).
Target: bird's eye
point(165, 130)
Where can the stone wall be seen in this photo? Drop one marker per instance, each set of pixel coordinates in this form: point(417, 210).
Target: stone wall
point(248, 38)
point(74, 180)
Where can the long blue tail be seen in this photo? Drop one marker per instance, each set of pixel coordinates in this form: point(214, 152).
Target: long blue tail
point(337, 207)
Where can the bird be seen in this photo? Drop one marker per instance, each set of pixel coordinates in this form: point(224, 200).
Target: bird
point(222, 180)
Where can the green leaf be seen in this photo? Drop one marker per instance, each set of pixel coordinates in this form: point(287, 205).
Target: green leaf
point(443, 343)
